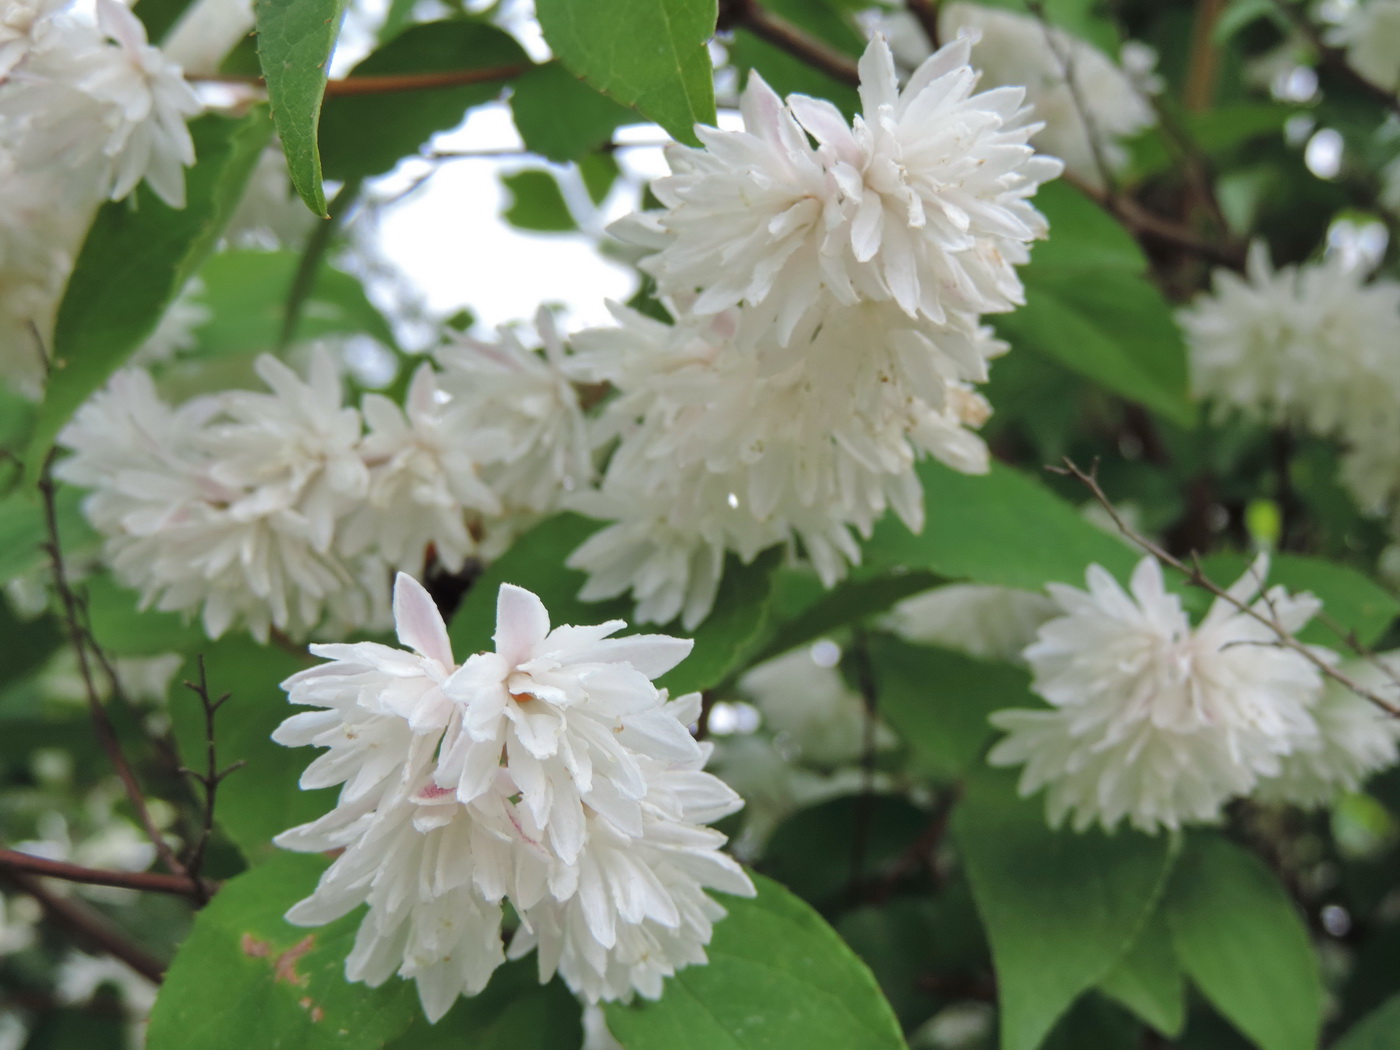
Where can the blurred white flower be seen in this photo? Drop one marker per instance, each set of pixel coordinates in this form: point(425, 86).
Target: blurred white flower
point(20, 22)
point(271, 214)
point(1311, 343)
point(1355, 738)
point(19, 917)
point(81, 975)
point(1369, 30)
point(923, 201)
point(1153, 719)
point(1106, 104)
point(102, 95)
point(994, 623)
point(550, 772)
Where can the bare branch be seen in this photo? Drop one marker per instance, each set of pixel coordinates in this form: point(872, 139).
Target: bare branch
point(1196, 577)
point(88, 927)
point(387, 84)
point(145, 881)
point(83, 644)
point(210, 779)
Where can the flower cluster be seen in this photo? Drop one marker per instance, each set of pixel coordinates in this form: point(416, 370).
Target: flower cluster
point(551, 773)
point(87, 110)
point(1369, 30)
point(1088, 105)
point(1313, 345)
point(825, 282)
point(1162, 723)
point(290, 508)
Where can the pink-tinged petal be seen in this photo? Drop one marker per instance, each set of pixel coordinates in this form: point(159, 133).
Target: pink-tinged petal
point(522, 622)
point(418, 622)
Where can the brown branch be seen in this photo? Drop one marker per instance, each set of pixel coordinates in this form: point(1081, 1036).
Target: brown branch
point(782, 34)
point(1144, 225)
point(925, 12)
point(386, 84)
point(1196, 577)
point(1204, 64)
point(1335, 58)
point(923, 849)
point(12, 861)
point(90, 928)
point(210, 779)
point(82, 642)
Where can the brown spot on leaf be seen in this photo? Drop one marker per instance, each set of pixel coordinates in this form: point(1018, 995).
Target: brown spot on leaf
point(308, 1004)
point(285, 968)
point(254, 948)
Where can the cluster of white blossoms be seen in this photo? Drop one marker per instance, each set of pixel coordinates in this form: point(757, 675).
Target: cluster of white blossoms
point(826, 283)
point(291, 509)
point(1162, 723)
point(1312, 345)
point(550, 773)
point(1369, 30)
point(1087, 103)
point(88, 109)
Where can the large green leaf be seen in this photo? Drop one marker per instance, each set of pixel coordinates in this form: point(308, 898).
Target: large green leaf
point(1148, 980)
point(562, 118)
point(1378, 1030)
point(536, 202)
point(938, 701)
point(1349, 599)
point(363, 135)
point(262, 799)
point(778, 977)
point(246, 293)
point(296, 39)
point(1002, 527)
point(122, 627)
point(1061, 909)
point(1083, 234)
point(513, 1012)
point(136, 259)
point(246, 978)
point(650, 54)
point(1241, 941)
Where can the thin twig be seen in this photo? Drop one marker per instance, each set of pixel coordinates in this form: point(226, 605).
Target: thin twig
point(782, 34)
point(1204, 63)
point(145, 881)
point(925, 12)
point(212, 776)
point(82, 643)
point(1144, 225)
point(89, 927)
point(1196, 577)
point(1334, 58)
point(923, 849)
point(386, 84)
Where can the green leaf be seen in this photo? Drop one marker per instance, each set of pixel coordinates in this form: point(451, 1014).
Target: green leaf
point(897, 940)
point(938, 701)
point(1214, 133)
point(810, 851)
point(24, 532)
point(650, 54)
point(1149, 982)
point(159, 16)
point(823, 19)
point(778, 977)
point(121, 627)
point(296, 39)
point(562, 118)
point(1378, 1030)
point(247, 978)
point(261, 799)
point(1082, 234)
point(848, 603)
point(137, 257)
point(246, 293)
point(1353, 601)
point(537, 203)
point(1002, 527)
point(1241, 941)
point(513, 1012)
point(1108, 325)
point(1061, 909)
point(364, 135)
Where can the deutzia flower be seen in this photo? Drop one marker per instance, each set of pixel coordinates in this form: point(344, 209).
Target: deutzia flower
point(1370, 32)
point(550, 772)
point(1150, 718)
point(1311, 343)
point(923, 201)
point(1081, 124)
point(20, 22)
point(104, 95)
point(1355, 738)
